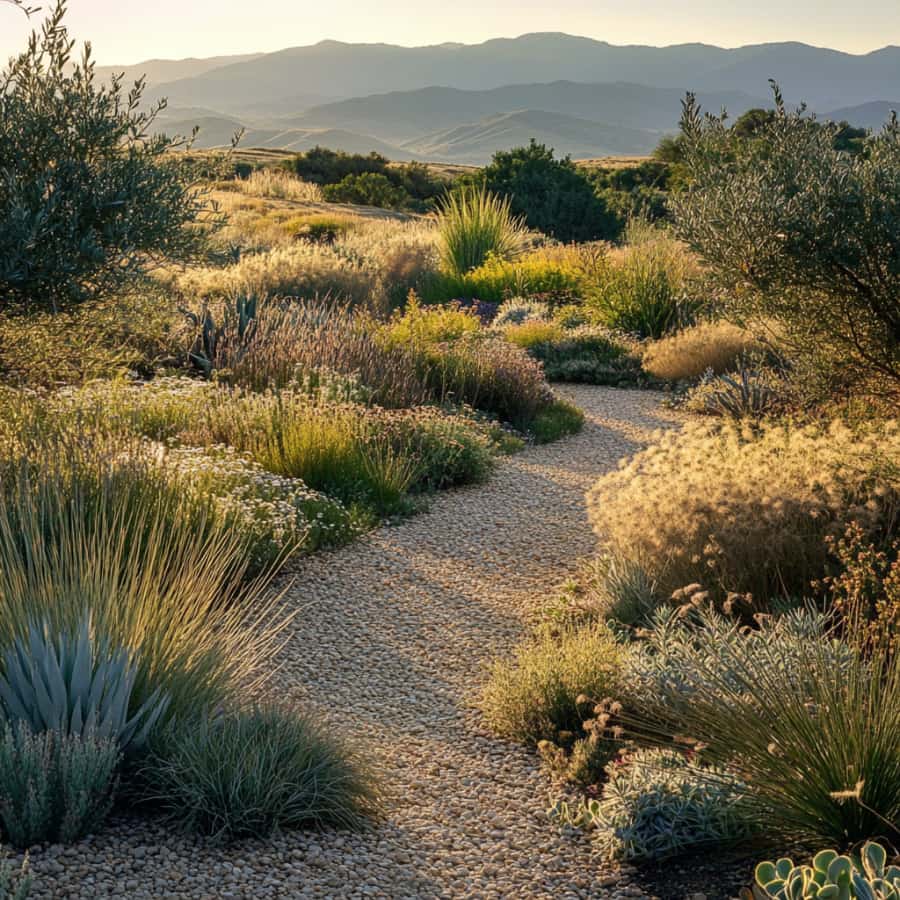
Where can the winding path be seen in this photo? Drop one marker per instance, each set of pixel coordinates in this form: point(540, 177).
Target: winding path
point(393, 638)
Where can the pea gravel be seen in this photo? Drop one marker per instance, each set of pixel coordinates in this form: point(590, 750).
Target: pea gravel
point(392, 639)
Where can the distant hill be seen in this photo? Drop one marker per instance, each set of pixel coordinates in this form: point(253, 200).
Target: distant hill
point(866, 115)
point(405, 115)
point(826, 79)
point(476, 143)
point(218, 132)
point(161, 70)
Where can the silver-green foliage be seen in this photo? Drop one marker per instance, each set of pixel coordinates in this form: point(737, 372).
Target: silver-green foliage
point(707, 652)
point(53, 786)
point(517, 310)
point(88, 195)
point(801, 232)
point(659, 803)
point(76, 684)
point(832, 877)
point(14, 884)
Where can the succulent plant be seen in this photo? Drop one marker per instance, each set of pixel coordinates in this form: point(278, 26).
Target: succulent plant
point(832, 877)
point(238, 321)
point(746, 393)
point(76, 685)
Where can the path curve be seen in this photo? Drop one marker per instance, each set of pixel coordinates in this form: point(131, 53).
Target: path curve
point(394, 636)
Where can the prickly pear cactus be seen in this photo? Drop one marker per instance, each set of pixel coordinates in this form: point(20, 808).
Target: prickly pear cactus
point(832, 877)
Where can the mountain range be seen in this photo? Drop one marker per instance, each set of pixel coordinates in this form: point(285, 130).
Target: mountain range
point(460, 103)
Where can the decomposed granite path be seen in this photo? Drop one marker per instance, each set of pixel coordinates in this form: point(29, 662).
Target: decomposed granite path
point(392, 638)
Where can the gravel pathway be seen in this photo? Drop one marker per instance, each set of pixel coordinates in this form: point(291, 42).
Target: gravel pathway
point(393, 639)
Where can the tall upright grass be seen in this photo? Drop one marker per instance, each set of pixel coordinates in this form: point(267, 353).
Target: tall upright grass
point(818, 744)
point(90, 525)
point(474, 224)
point(275, 184)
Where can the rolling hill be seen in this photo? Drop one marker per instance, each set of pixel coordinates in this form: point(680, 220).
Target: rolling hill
point(476, 143)
point(405, 115)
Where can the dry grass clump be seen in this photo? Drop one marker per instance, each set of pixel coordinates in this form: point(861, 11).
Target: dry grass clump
point(748, 509)
point(376, 263)
point(717, 346)
point(276, 184)
point(300, 269)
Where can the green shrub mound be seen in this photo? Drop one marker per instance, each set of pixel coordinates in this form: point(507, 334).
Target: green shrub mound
point(247, 774)
point(538, 694)
point(54, 787)
point(659, 803)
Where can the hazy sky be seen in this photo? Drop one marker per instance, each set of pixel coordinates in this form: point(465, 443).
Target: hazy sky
point(127, 31)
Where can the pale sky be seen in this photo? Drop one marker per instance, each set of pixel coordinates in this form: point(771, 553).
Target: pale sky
point(129, 31)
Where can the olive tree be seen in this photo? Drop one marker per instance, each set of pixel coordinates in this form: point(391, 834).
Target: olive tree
point(803, 233)
point(88, 195)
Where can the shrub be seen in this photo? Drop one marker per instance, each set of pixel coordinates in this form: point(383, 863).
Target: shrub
point(718, 347)
point(76, 684)
point(537, 695)
point(301, 269)
point(488, 374)
point(367, 189)
point(586, 354)
point(551, 194)
point(475, 225)
point(647, 292)
point(802, 233)
point(556, 420)
point(14, 885)
point(132, 332)
point(431, 324)
point(678, 649)
point(293, 341)
point(659, 803)
point(747, 509)
point(517, 310)
point(817, 744)
point(246, 774)
point(833, 875)
point(532, 334)
point(54, 787)
point(79, 217)
point(541, 274)
point(323, 166)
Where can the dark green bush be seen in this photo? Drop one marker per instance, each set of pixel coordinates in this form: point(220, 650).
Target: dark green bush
point(87, 199)
point(553, 195)
point(368, 189)
point(247, 774)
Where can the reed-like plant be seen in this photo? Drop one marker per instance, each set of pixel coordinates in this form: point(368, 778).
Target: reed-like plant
point(817, 743)
point(92, 526)
point(475, 224)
